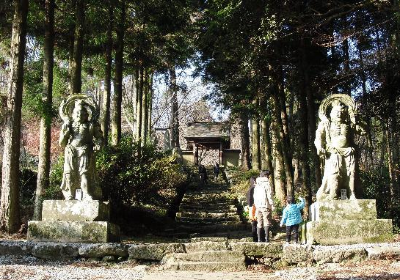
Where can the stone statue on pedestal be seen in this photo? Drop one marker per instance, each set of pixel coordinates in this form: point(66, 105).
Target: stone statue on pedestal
point(342, 221)
point(335, 145)
point(80, 135)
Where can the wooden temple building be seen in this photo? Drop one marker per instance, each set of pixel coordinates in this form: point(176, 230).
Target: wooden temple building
point(208, 143)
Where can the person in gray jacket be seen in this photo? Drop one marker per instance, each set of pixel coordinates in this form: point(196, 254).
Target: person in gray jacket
point(264, 204)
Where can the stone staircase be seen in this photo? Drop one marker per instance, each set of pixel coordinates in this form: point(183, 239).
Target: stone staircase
point(206, 254)
point(209, 208)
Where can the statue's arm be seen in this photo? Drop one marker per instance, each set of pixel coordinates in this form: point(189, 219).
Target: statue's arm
point(320, 139)
point(65, 133)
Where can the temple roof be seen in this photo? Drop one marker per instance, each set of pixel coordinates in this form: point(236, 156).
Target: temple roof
point(207, 130)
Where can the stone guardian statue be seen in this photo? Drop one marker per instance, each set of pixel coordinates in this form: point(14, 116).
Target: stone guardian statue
point(335, 145)
point(80, 136)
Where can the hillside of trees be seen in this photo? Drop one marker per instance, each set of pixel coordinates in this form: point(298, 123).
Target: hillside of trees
point(272, 63)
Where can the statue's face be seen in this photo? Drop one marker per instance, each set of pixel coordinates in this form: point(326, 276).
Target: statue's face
point(337, 112)
point(80, 114)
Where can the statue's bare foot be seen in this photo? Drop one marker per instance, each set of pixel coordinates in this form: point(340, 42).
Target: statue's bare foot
point(67, 196)
point(352, 197)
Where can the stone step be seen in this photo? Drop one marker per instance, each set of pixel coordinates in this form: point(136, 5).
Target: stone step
point(211, 229)
point(219, 190)
point(205, 261)
point(205, 200)
point(206, 266)
point(205, 256)
point(206, 215)
point(208, 193)
point(216, 191)
point(207, 221)
point(216, 208)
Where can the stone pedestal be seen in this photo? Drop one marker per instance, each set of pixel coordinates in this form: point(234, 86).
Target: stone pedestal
point(74, 221)
point(347, 222)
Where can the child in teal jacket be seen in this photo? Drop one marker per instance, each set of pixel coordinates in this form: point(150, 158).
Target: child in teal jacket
point(291, 217)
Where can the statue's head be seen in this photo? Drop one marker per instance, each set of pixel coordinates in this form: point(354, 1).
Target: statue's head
point(337, 111)
point(80, 113)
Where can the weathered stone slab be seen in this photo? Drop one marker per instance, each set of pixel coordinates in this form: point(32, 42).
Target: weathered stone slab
point(207, 266)
point(209, 238)
point(205, 261)
point(75, 210)
point(101, 250)
point(267, 250)
point(205, 256)
point(376, 253)
point(55, 251)
point(336, 254)
point(154, 252)
point(332, 210)
point(295, 253)
point(16, 248)
point(68, 231)
point(332, 232)
point(205, 246)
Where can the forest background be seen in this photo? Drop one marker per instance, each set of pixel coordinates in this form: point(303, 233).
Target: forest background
point(270, 63)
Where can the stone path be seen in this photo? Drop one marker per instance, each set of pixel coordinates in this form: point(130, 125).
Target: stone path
point(30, 268)
point(209, 209)
point(368, 270)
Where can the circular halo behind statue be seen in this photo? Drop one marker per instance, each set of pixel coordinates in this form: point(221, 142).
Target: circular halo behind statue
point(343, 98)
point(68, 104)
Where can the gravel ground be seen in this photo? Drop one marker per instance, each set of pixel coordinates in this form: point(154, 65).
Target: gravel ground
point(35, 269)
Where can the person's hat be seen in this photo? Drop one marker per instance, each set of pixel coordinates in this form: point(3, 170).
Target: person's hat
point(265, 173)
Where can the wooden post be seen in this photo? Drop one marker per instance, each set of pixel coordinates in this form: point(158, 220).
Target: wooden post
point(196, 154)
point(220, 152)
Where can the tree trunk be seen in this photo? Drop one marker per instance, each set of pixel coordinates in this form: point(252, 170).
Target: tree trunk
point(119, 69)
point(105, 121)
point(284, 116)
point(303, 147)
point(135, 105)
point(255, 143)
point(306, 111)
point(280, 190)
point(284, 150)
point(174, 123)
point(150, 103)
point(245, 140)
point(266, 150)
point(76, 66)
point(392, 180)
point(139, 106)
point(45, 122)
point(71, 32)
point(145, 109)
point(9, 208)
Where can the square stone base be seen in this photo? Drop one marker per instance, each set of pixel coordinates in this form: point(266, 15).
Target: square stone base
point(333, 232)
point(75, 210)
point(332, 210)
point(73, 231)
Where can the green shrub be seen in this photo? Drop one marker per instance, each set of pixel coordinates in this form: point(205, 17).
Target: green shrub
point(127, 178)
point(27, 182)
point(54, 191)
point(133, 178)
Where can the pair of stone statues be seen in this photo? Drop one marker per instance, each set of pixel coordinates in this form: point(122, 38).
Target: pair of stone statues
point(81, 134)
